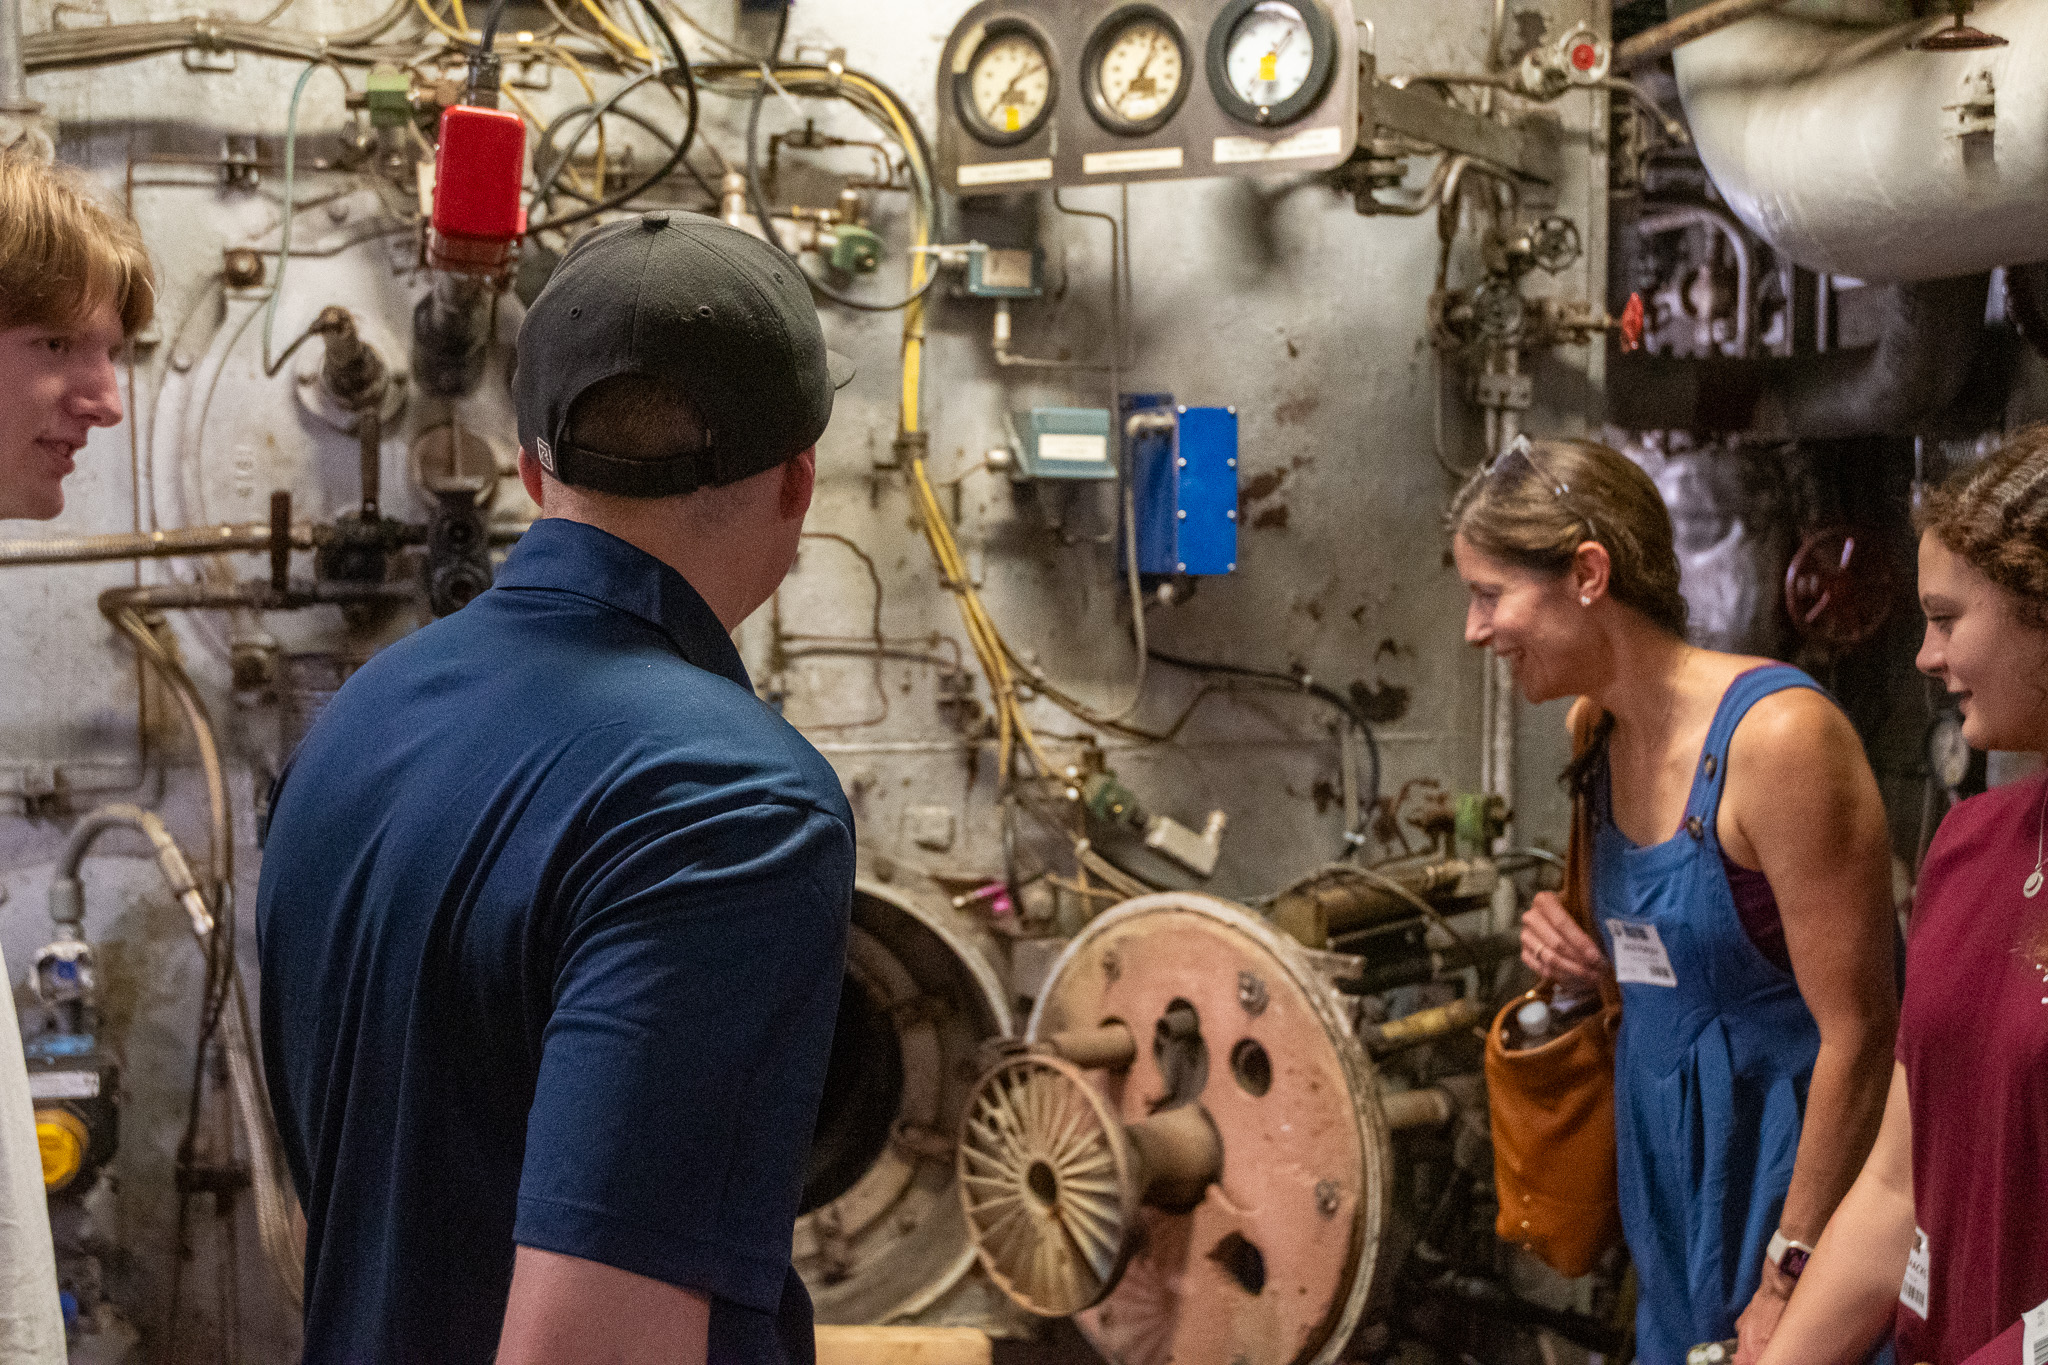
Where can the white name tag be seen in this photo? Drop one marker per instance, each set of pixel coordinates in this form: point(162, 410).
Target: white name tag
point(1639, 954)
point(2036, 1348)
point(1913, 1293)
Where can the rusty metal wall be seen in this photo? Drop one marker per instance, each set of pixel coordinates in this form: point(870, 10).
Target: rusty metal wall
point(1271, 295)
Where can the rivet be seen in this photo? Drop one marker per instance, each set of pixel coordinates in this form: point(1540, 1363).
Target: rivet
point(1525, 1223)
point(1230, 463)
point(1230, 568)
point(1182, 514)
point(1231, 514)
point(1181, 568)
point(1711, 765)
point(1182, 462)
point(1251, 993)
point(1694, 827)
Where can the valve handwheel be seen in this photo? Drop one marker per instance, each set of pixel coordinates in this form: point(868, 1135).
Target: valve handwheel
point(1046, 1175)
point(1838, 590)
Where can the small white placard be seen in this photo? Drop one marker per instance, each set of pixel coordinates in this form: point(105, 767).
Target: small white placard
point(1310, 142)
point(2035, 1349)
point(1639, 955)
point(1006, 172)
point(1140, 159)
point(1913, 1293)
point(63, 1085)
point(1068, 448)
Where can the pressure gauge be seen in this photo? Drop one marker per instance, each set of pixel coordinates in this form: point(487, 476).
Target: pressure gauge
point(1948, 753)
point(1005, 91)
point(1270, 60)
point(1136, 70)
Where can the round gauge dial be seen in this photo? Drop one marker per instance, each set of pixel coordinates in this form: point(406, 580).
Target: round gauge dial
point(1270, 60)
point(1006, 91)
point(1137, 70)
point(1948, 753)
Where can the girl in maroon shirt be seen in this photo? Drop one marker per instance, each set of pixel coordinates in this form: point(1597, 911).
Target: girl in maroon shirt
point(1945, 1233)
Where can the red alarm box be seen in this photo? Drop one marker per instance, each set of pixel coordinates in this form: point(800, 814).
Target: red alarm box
point(477, 172)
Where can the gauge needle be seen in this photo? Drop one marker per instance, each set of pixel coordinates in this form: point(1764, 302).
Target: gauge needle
point(1011, 89)
point(1151, 51)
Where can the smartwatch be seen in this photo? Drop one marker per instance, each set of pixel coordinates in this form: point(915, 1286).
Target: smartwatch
point(1789, 1256)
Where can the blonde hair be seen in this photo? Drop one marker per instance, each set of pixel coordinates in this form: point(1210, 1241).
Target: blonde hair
point(1536, 504)
point(1994, 514)
point(63, 253)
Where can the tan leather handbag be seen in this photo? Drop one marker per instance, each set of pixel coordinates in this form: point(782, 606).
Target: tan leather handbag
point(1552, 1105)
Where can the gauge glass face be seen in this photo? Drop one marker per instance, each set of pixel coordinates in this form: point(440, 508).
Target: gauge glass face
point(1011, 82)
point(1271, 54)
point(1141, 71)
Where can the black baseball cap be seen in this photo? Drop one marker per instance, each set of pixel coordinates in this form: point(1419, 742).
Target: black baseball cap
point(690, 302)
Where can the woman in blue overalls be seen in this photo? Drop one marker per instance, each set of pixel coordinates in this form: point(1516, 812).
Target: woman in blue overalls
point(1741, 887)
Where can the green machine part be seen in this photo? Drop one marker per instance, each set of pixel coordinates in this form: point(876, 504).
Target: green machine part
point(855, 250)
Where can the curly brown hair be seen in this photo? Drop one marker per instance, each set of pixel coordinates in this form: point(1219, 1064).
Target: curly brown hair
point(1994, 515)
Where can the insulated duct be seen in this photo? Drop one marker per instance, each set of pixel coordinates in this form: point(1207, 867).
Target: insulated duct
point(1927, 343)
point(1856, 155)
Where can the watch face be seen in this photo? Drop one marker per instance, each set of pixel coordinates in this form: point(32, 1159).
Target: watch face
point(1794, 1261)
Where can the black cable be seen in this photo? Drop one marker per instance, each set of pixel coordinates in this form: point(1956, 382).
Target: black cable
point(1304, 683)
point(758, 200)
point(662, 172)
point(487, 39)
point(781, 32)
point(545, 143)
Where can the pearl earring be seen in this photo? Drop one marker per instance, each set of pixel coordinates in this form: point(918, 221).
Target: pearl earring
point(1585, 599)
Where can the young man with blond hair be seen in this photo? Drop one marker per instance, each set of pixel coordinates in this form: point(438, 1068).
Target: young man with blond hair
point(75, 286)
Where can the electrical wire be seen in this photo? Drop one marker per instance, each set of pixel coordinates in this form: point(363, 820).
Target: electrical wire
point(758, 201)
point(545, 142)
point(675, 158)
point(284, 233)
point(1302, 682)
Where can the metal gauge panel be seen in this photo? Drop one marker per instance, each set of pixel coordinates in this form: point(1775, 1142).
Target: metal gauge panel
point(1151, 103)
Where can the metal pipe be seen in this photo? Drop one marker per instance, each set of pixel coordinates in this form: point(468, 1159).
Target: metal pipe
point(255, 596)
point(1669, 217)
point(1112, 1047)
point(1654, 43)
point(1431, 1108)
point(1919, 365)
point(190, 540)
point(67, 892)
point(13, 72)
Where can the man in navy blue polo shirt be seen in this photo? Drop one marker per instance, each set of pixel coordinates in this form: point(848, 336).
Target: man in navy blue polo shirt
point(554, 910)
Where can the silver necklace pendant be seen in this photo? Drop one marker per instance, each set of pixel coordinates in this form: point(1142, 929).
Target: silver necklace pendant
point(2033, 886)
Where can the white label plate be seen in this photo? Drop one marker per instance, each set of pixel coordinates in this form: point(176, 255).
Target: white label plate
point(1310, 142)
point(63, 1085)
point(1639, 955)
point(1006, 172)
point(2035, 1349)
point(1913, 1293)
point(1140, 159)
point(1076, 449)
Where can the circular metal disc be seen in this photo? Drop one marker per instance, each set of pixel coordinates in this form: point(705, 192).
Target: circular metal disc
point(1046, 1179)
point(1276, 1263)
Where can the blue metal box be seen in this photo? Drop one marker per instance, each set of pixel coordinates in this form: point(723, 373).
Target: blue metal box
point(1183, 467)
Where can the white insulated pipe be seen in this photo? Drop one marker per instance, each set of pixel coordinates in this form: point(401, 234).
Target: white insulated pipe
point(1856, 155)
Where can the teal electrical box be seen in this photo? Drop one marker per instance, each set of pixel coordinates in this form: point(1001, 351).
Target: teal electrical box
point(1063, 443)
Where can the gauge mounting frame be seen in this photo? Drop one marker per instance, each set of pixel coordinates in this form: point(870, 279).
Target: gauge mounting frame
point(1100, 40)
point(1322, 64)
point(979, 128)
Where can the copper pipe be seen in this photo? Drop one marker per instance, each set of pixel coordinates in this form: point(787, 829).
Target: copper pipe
point(1654, 43)
point(187, 540)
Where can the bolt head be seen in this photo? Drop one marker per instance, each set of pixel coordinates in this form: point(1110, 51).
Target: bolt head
point(1181, 568)
point(1231, 514)
point(1182, 514)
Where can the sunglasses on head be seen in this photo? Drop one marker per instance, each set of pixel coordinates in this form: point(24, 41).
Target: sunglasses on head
point(1559, 489)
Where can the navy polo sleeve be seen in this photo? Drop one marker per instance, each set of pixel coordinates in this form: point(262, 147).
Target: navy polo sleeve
point(697, 985)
